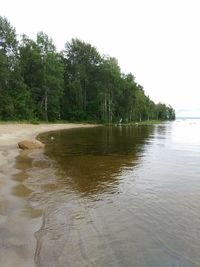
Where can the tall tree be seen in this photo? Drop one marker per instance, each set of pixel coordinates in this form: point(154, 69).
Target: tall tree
point(42, 69)
point(53, 73)
point(81, 63)
point(13, 93)
point(31, 66)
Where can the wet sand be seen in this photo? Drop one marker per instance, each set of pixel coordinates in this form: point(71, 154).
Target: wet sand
point(17, 240)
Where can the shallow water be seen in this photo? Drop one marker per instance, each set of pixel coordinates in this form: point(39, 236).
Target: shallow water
point(114, 196)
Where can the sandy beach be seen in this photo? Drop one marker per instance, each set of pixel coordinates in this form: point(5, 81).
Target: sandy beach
point(17, 242)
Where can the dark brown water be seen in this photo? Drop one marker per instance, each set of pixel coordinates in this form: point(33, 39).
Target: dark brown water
point(117, 196)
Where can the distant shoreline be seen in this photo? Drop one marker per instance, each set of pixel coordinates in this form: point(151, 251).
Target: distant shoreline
point(187, 118)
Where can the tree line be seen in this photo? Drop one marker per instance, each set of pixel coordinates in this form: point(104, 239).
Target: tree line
point(76, 84)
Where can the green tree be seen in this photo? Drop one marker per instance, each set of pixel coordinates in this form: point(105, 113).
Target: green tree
point(110, 78)
point(53, 73)
point(42, 69)
point(81, 62)
point(126, 102)
point(13, 93)
point(31, 67)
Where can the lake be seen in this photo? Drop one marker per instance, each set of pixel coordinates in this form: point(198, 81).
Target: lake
point(117, 196)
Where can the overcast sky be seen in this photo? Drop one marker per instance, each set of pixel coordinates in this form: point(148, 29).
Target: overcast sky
point(157, 40)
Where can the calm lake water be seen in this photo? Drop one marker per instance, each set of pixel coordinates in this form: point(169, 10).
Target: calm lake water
point(118, 196)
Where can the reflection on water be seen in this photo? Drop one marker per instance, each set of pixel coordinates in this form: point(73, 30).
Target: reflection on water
point(115, 196)
point(95, 158)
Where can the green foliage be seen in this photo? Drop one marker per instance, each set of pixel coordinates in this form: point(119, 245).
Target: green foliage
point(38, 83)
point(42, 69)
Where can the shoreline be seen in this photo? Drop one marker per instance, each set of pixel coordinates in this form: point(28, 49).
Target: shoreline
point(18, 244)
point(11, 134)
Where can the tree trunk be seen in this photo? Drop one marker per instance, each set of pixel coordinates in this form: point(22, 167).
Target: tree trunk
point(46, 104)
point(105, 107)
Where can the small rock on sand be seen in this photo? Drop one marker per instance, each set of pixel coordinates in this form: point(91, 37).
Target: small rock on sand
point(28, 144)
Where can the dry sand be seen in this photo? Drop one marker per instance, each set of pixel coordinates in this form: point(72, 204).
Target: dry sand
point(17, 244)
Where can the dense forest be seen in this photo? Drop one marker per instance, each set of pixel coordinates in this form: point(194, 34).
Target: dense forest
point(76, 84)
